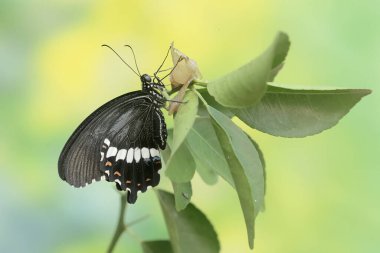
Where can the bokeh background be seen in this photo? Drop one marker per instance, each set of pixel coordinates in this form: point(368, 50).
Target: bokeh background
point(323, 191)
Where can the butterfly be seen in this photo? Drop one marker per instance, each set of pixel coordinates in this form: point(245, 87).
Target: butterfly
point(120, 141)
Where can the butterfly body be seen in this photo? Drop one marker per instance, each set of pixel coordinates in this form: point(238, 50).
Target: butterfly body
point(119, 142)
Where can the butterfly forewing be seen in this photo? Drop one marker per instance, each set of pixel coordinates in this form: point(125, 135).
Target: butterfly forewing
point(119, 141)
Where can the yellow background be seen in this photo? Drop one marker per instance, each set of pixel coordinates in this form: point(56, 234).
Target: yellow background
point(323, 191)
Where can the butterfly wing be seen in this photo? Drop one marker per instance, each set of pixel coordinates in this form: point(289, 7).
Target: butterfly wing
point(113, 142)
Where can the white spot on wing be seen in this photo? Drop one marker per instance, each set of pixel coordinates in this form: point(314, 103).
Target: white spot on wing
point(111, 151)
point(137, 155)
point(102, 156)
point(154, 152)
point(118, 181)
point(130, 155)
point(121, 154)
point(145, 153)
point(107, 142)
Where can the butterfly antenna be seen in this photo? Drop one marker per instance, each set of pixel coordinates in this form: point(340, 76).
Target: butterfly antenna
point(179, 59)
point(164, 70)
point(105, 45)
point(134, 57)
point(166, 56)
point(159, 71)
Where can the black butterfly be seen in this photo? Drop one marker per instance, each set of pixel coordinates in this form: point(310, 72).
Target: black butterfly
point(119, 142)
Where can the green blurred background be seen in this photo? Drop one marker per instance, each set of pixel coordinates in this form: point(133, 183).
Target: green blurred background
point(323, 191)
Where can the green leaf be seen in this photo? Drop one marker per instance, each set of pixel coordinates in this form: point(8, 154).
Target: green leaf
point(184, 119)
point(247, 85)
point(245, 167)
point(182, 194)
point(162, 246)
point(180, 166)
point(210, 100)
point(281, 50)
point(208, 175)
point(262, 160)
point(189, 230)
point(204, 145)
point(299, 113)
point(279, 57)
point(182, 191)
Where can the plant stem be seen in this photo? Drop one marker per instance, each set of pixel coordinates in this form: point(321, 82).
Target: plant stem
point(137, 221)
point(120, 228)
point(195, 82)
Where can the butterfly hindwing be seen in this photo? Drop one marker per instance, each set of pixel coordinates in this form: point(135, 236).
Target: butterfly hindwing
point(119, 141)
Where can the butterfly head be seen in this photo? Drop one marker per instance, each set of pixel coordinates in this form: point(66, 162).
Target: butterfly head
point(145, 79)
point(149, 85)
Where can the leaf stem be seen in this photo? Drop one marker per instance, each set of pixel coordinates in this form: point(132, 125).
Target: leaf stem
point(200, 97)
point(121, 227)
point(200, 83)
